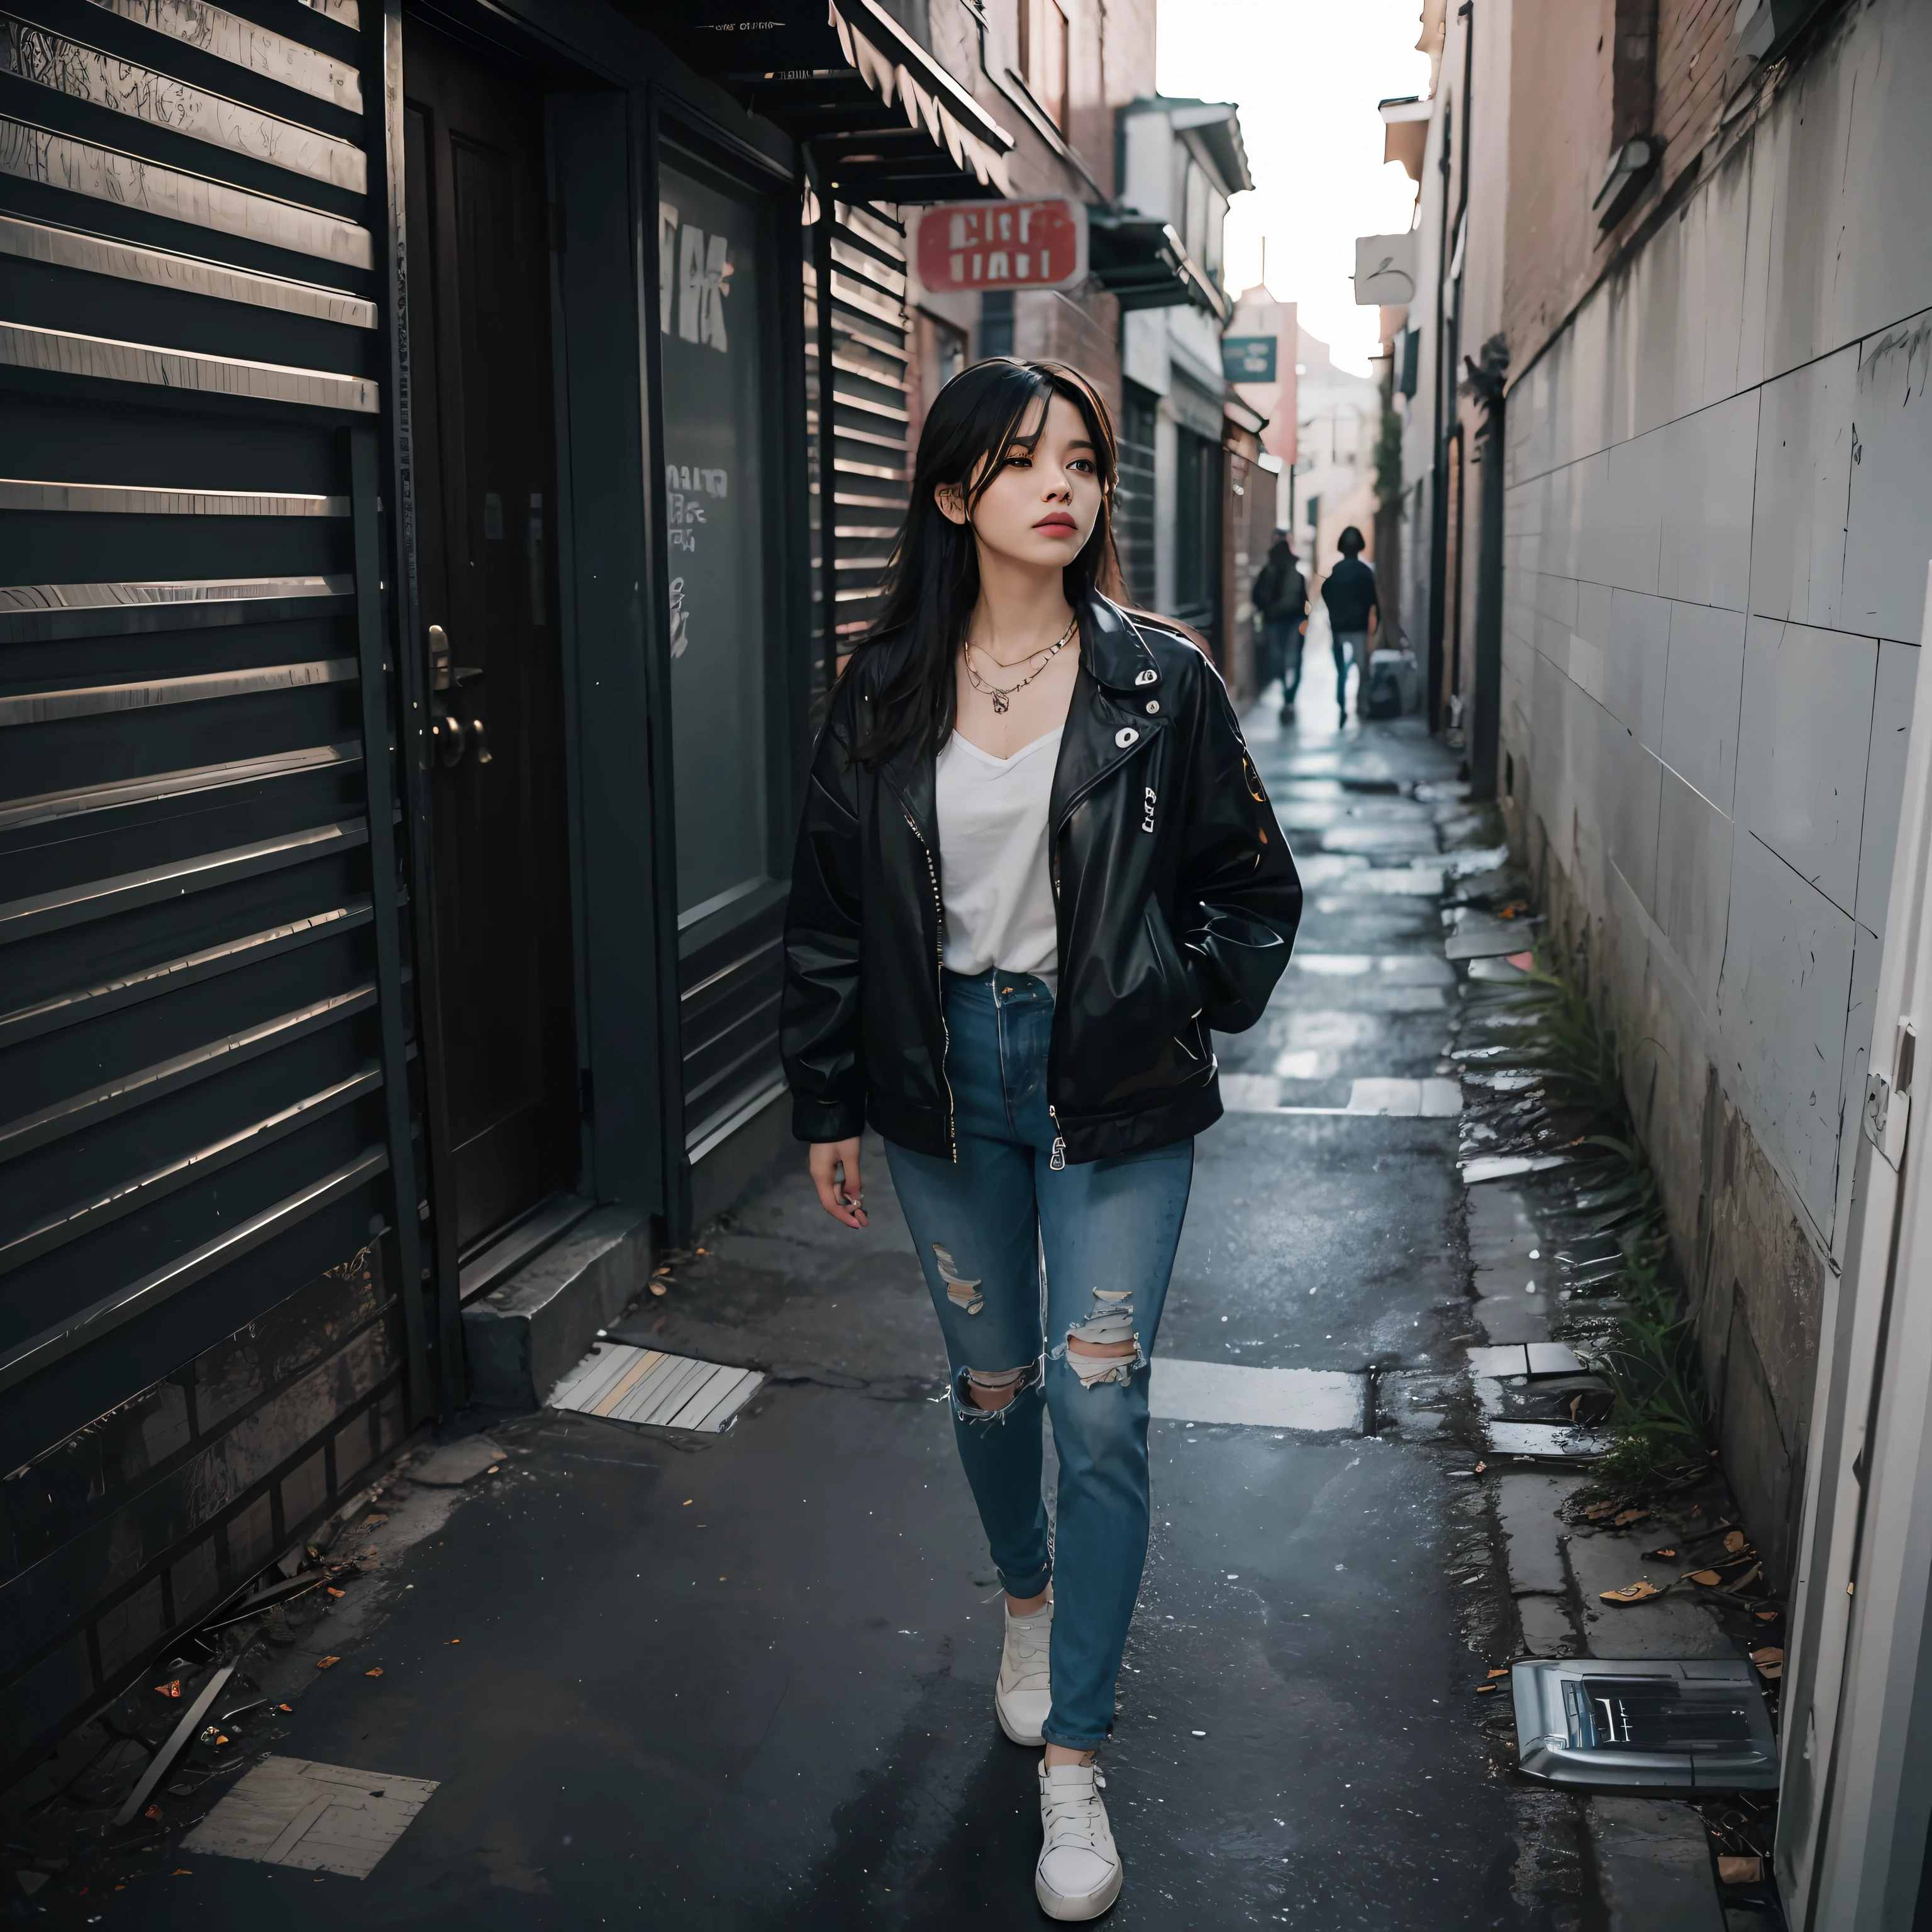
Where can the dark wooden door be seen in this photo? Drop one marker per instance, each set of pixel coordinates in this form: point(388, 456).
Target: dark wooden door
point(479, 341)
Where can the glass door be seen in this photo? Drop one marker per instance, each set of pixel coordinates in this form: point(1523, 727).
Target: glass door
point(716, 283)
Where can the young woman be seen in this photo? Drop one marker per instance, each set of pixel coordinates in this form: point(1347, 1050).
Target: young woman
point(1035, 867)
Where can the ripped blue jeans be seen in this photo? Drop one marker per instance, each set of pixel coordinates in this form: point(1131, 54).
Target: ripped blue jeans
point(1019, 1256)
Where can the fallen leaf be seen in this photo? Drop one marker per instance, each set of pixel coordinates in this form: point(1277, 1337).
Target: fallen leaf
point(289, 1707)
point(1770, 1661)
point(323, 1662)
point(1576, 1403)
point(1665, 1552)
point(1739, 1871)
point(377, 1672)
point(172, 1690)
point(221, 1737)
point(1734, 1542)
point(1631, 1593)
point(1767, 1616)
point(493, 1468)
point(1481, 1688)
point(334, 1592)
point(1503, 1673)
point(1596, 1512)
point(1624, 1517)
point(152, 1811)
point(1480, 1467)
point(455, 1640)
point(1710, 1579)
point(375, 1519)
point(704, 1251)
point(657, 1287)
point(181, 1871)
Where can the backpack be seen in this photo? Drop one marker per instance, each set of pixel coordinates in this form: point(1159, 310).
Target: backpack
point(1385, 693)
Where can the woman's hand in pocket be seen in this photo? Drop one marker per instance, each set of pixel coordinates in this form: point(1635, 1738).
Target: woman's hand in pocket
point(835, 1173)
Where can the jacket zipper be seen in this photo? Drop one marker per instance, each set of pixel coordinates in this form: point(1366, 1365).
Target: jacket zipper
point(939, 983)
point(1059, 1159)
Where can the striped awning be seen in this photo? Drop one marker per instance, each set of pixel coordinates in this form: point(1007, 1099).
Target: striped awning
point(884, 119)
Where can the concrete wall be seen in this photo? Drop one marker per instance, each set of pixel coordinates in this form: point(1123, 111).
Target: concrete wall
point(1719, 517)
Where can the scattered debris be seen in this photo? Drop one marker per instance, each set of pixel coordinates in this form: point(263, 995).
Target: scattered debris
point(1770, 1661)
point(1639, 1592)
point(324, 1662)
point(377, 1672)
point(164, 1759)
point(1739, 1871)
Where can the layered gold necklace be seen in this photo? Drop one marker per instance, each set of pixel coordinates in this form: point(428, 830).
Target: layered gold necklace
point(1002, 694)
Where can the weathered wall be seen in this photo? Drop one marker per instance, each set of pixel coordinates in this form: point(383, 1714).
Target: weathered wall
point(1718, 533)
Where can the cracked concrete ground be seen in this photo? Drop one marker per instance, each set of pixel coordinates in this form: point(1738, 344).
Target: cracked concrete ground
point(746, 1681)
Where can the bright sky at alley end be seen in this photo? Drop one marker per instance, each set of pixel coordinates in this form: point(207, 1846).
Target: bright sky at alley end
point(1306, 75)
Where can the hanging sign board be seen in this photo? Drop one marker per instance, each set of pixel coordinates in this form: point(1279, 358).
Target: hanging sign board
point(967, 245)
point(1386, 270)
point(1248, 359)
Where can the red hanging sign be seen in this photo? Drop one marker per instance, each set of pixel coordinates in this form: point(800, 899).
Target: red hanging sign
point(966, 245)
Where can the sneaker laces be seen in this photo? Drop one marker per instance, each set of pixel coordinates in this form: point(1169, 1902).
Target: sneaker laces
point(1071, 1811)
point(1029, 1650)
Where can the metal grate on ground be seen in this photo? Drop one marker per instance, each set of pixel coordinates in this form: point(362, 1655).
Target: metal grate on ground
point(646, 1386)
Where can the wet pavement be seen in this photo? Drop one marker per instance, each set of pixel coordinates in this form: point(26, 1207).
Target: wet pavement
point(746, 1681)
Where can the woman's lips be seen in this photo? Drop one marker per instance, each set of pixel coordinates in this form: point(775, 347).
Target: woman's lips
point(1057, 526)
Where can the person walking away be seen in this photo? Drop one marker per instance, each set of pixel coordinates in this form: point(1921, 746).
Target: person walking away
point(1353, 615)
point(1281, 596)
point(1036, 866)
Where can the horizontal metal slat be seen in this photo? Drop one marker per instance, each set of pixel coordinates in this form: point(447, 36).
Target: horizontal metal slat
point(886, 413)
point(101, 255)
point(82, 1217)
point(245, 45)
point(122, 500)
point(872, 372)
point(104, 1316)
point(57, 352)
point(848, 433)
point(98, 899)
point(44, 707)
point(849, 294)
point(44, 612)
point(182, 1070)
point(840, 467)
point(70, 67)
point(189, 969)
point(34, 154)
point(51, 807)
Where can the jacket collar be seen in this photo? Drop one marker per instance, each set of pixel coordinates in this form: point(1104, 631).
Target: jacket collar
point(1112, 648)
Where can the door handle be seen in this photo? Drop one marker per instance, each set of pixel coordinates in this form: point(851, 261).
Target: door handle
point(447, 732)
point(484, 755)
point(439, 658)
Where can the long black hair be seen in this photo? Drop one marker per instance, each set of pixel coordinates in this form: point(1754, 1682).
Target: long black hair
point(932, 579)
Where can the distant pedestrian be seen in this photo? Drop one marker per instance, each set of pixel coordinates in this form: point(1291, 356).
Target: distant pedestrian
point(1281, 596)
point(1353, 614)
point(1031, 824)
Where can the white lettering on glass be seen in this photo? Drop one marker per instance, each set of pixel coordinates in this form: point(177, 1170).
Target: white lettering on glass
point(667, 260)
point(680, 637)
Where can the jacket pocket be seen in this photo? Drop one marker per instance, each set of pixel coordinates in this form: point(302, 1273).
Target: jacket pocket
point(1192, 1058)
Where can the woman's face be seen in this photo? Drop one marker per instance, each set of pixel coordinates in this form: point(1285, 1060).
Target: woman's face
point(1042, 505)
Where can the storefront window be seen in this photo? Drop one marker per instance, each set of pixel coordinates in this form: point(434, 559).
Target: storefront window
point(712, 287)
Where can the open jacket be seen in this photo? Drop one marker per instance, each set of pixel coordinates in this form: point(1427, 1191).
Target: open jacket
point(1176, 898)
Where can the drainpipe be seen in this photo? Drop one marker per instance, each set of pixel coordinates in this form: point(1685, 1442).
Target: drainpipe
point(1445, 359)
point(1485, 733)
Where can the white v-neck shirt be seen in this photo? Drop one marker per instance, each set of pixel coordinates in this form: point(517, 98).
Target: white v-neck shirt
point(994, 882)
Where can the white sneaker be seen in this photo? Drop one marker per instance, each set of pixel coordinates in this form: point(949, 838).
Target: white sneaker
point(1078, 1875)
point(1024, 1693)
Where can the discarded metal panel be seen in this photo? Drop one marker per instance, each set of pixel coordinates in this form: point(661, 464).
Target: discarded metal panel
point(646, 1386)
point(1698, 1725)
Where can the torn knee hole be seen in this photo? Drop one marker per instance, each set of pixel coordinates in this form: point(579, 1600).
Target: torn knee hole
point(962, 1293)
point(991, 1390)
point(1105, 1347)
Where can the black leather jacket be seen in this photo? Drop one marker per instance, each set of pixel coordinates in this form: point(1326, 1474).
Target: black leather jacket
point(1177, 899)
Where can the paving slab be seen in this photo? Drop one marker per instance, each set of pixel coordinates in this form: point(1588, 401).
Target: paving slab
point(1654, 1866)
